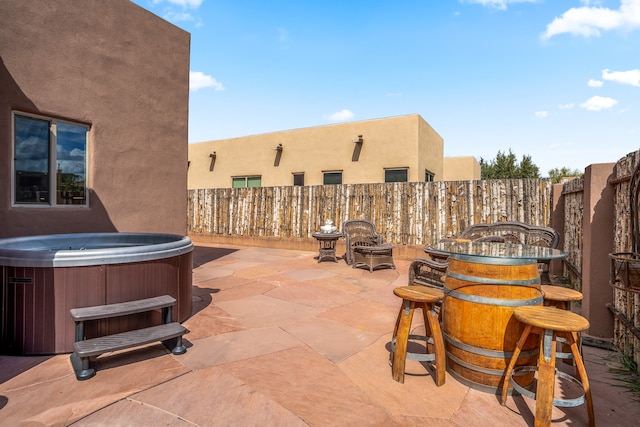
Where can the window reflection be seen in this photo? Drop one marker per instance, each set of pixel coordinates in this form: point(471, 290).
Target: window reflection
point(31, 160)
point(71, 141)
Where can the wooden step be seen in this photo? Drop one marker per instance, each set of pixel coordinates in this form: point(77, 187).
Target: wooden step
point(121, 309)
point(123, 340)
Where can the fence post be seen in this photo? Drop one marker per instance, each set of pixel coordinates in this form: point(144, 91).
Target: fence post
point(597, 245)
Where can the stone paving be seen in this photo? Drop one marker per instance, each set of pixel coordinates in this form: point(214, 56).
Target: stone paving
point(277, 339)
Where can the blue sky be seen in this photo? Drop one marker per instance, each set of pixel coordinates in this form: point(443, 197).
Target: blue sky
point(553, 79)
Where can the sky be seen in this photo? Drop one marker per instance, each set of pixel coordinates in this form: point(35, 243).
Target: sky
point(556, 80)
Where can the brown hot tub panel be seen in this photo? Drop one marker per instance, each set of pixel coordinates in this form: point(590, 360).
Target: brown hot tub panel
point(36, 300)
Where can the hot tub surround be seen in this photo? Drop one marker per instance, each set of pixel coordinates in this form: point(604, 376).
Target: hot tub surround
point(43, 277)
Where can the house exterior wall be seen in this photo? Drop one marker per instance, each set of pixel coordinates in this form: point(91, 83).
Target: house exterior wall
point(120, 70)
point(395, 142)
point(461, 168)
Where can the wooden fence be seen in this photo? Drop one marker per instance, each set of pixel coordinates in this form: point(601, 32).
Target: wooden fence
point(626, 303)
point(573, 200)
point(405, 213)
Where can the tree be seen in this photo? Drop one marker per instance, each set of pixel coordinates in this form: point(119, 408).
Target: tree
point(557, 174)
point(506, 166)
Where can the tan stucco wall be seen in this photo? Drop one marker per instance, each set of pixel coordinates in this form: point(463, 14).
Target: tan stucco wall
point(461, 168)
point(121, 70)
point(430, 150)
point(395, 142)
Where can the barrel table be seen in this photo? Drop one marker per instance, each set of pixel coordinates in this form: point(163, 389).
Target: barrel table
point(485, 281)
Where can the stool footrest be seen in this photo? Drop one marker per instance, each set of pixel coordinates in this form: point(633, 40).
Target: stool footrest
point(420, 357)
point(566, 403)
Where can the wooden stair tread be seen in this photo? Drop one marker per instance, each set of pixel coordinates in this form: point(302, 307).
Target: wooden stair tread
point(123, 340)
point(551, 318)
point(121, 309)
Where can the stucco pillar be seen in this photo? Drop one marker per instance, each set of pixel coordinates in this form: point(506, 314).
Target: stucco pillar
point(597, 245)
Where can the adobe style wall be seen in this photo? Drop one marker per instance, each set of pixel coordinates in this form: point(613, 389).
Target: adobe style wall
point(395, 142)
point(124, 72)
point(460, 168)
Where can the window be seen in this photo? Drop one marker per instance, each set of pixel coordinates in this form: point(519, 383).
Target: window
point(246, 181)
point(428, 176)
point(332, 178)
point(298, 178)
point(50, 161)
point(396, 175)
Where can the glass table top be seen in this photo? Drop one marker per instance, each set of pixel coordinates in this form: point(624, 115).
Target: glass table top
point(499, 250)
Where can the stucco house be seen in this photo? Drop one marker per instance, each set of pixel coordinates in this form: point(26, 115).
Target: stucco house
point(395, 149)
point(93, 118)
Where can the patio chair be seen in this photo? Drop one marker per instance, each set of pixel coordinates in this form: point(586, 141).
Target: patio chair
point(365, 247)
point(427, 272)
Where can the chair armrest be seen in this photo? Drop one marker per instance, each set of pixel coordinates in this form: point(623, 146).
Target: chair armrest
point(427, 272)
point(436, 255)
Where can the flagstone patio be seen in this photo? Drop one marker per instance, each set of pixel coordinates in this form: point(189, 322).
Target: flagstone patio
point(277, 339)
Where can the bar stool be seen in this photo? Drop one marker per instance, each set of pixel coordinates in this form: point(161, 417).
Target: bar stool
point(425, 298)
point(549, 323)
point(561, 297)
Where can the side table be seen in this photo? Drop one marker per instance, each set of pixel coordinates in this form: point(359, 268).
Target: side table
point(327, 242)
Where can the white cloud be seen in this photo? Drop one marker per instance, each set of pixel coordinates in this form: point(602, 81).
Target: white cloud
point(199, 80)
point(589, 21)
point(541, 114)
point(191, 4)
point(631, 77)
point(283, 35)
point(595, 83)
point(566, 106)
point(499, 4)
point(173, 16)
point(597, 103)
point(340, 116)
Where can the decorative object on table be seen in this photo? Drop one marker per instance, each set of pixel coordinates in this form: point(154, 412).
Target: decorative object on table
point(549, 324)
point(365, 247)
point(328, 227)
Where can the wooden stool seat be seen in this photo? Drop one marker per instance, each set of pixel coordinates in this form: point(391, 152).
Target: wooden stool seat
point(549, 323)
point(425, 298)
point(419, 293)
point(559, 294)
point(551, 318)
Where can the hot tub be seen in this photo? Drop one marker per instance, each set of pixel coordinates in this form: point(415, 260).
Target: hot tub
point(43, 277)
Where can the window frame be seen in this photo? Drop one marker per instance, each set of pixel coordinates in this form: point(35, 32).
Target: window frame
point(298, 175)
point(403, 169)
point(52, 162)
point(429, 176)
point(246, 180)
point(334, 172)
